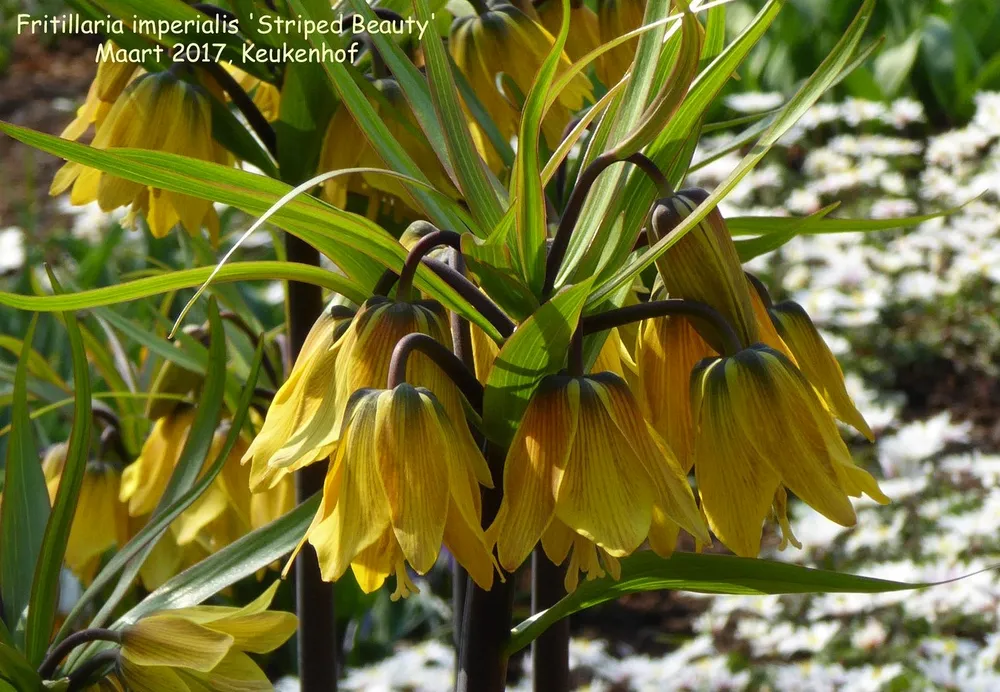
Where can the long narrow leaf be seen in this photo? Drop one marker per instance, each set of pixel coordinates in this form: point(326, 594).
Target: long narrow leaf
point(715, 574)
point(485, 195)
point(192, 457)
point(526, 179)
point(45, 587)
point(808, 94)
point(25, 508)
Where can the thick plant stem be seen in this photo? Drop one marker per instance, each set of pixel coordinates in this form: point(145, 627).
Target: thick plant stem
point(550, 652)
point(454, 368)
point(571, 214)
point(314, 602)
point(482, 660)
point(461, 340)
point(79, 678)
point(665, 308)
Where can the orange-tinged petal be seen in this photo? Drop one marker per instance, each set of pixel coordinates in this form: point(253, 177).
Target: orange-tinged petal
point(602, 494)
point(537, 454)
point(413, 473)
point(736, 487)
point(670, 487)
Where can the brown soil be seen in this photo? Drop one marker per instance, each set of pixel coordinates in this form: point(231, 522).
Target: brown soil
point(40, 89)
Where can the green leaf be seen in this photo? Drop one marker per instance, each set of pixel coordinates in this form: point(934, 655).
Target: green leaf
point(482, 116)
point(526, 178)
point(252, 552)
point(673, 147)
point(374, 128)
point(485, 195)
point(817, 223)
point(45, 586)
point(15, 670)
point(893, 65)
point(187, 278)
point(348, 239)
point(620, 119)
point(536, 349)
point(193, 455)
point(714, 574)
point(307, 102)
point(159, 523)
point(234, 136)
point(25, 508)
point(810, 92)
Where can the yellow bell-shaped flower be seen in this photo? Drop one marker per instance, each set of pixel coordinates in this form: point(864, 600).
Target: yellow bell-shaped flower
point(203, 647)
point(402, 482)
point(818, 364)
point(760, 427)
point(668, 350)
point(505, 40)
point(586, 471)
point(158, 112)
point(110, 81)
point(300, 414)
point(358, 359)
point(100, 521)
point(616, 18)
point(704, 266)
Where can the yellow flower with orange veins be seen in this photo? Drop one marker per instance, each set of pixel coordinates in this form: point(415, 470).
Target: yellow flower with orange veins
point(286, 438)
point(403, 482)
point(306, 426)
point(585, 471)
point(743, 460)
point(668, 350)
point(158, 112)
point(704, 266)
point(203, 647)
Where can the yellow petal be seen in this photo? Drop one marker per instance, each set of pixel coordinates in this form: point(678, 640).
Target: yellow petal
point(557, 540)
point(237, 672)
point(166, 640)
point(663, 533)
point(540, 448)
point(604, 494)
point(139, 678)
point(669, 483)
point(362, 511)
point(736, 487)
point(414, 474)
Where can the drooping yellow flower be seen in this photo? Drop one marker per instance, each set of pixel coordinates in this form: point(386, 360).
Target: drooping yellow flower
point(616, 18)
point(402, 482)
point(818, 364)
point(288, 434)
point(584, 34)
point(505, 40)
point(766, 331)
point(100, 521)
point(110, 81)
point(203, 647)
point(159, 112)
point(345, 146)
point(358, 359)
point(220, 515)
point(761, 426)
point(669, 348)
point(704, 266)
point(584, 465)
